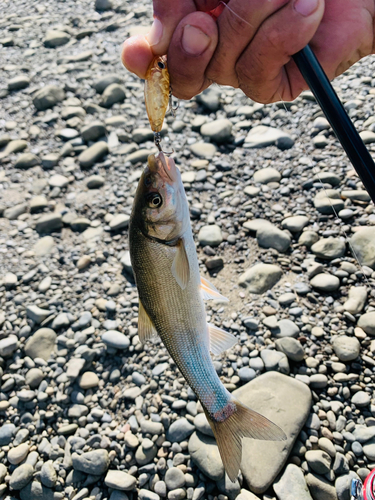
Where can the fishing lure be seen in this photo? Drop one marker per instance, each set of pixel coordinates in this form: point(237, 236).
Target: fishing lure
point(158, 95)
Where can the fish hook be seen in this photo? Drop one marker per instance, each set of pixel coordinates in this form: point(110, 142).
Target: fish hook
point(157, 141)
point(172, 109)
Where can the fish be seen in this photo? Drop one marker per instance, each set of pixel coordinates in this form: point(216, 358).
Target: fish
point(157, 92)
point(171, 305)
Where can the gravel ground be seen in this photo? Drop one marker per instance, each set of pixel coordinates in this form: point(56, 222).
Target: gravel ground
point(86, 411)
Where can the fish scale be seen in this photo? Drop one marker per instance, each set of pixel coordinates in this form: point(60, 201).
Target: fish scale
point(183, 330)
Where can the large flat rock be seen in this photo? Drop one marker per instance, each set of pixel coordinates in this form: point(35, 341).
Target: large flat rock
point(286, 402)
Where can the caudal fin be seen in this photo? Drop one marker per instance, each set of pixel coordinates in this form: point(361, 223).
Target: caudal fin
point(243, 422)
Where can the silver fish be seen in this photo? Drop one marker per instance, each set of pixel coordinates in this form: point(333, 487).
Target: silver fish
point(171, 294)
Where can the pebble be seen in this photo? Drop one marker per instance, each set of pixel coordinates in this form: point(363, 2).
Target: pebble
point(174, 478)
point(203, 150)
point(112, 94)
point(93, 154)
point(367, 322)
point(356, 299)
point(180, 430)
point(120, 480)
point(119, 221)
point(18, 82)
point(270, 236)
point(346, 348)
point(41, 344)
point(295, 224)
point(210, 235)
point(55, 38)
point(94, 462)
point(261, 136)
point(27, 160)
point(219, 131)
point(325, 282)
point(47, 97)
point(89, 380)
point(292, 485)
point(8, 345)
point(18, 454)
point(48, 475)
point(115, 339)
point(260, 278)
point(291, 347)
point(329, 248)
point(320, 488)
point(205, 454)
point(21, 476)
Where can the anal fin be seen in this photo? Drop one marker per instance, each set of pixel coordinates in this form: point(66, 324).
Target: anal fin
point(146, 328)
point(210, 292)
point(220, 340)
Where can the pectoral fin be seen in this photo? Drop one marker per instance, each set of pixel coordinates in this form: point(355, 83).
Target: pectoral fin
point(180, 265)
point(209, 291)
point(146, 328)
point(220, 340)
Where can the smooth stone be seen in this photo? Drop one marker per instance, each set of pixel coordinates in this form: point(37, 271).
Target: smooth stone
point(270, 236)
point(260, 278)
point(34, 377)
point(93, 131)
point(296, 223)
point(48, 474)
point(210, 235)
point(55, 38)
point(308, 238)
point(246, 495)
point(119, 221)
point(49, 222)
point(274, 361)
point(67, 134)
point(44, 246)
point(286, 402)
point(36, 491)
point(356, 299)
point(120, 480)
point(6, 434)
point(147, 495)
point(219, 131)
point(18, 454)
point(210, 98)
point(174, 478)
point(95, 181)
point(14, 146)
point(261, 136)
point(112, 94)
point(255, 224)
point(320, 488)
point(18, 82)
point(246, 374)
point(37, 314)
point(325, 282)
point(105, 81)
point(367, 322)
point(80, 224)
point(252, 191)
point(21, 476)
point(367, 136)
point(8, 345)
point(292, 485)
point(138, 156)
point(357, 195)
point(346, 348)
point(88, 380)
point(328, 200)
point(47, 97)
point(179, 430)
point(41, 344)
point(94, 153)
point(38, 203)
point(203, 150)
point(202, 425)
point(94, 462)
point(291, 347)
point(369, 449)
point(266, 175)
point(115, 339)
point(205, 454)
point(329, 248)
point(361, 399)
point(14, 212)
point(319, 461)
point(26, 160)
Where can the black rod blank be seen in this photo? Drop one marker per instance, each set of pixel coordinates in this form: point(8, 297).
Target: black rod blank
point(335, 113)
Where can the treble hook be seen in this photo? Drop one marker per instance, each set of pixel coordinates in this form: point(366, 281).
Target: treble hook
point(157, 141)
point(172, 109)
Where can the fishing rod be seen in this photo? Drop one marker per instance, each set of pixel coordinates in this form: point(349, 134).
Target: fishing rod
point(337, 116)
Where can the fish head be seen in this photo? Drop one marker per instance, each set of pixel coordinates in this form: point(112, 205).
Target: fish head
point(158, 66)
point(161, 205)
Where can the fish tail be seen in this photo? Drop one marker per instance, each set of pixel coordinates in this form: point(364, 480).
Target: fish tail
point(233, 423)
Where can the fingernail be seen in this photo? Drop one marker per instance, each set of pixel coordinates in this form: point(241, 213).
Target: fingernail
point(194, 41)
point(306, 7)
point(154, 35)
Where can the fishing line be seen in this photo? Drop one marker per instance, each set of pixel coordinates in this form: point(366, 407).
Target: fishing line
point(337, 218)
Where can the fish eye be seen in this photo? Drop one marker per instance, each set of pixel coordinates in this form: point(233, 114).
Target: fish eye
point(161, 65)
point(154, 200)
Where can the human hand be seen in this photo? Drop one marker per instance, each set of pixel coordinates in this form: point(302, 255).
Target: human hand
point(252, 50)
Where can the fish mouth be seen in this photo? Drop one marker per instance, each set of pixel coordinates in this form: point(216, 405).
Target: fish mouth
point(160, 162)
